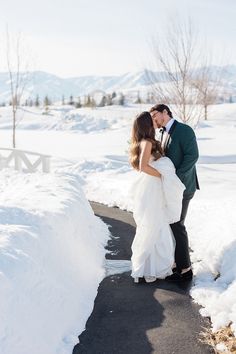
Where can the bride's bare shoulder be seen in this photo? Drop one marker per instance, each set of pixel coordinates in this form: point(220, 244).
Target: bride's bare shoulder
point(145, 142)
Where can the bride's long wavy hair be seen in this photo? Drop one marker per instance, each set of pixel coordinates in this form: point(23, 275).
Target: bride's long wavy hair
point(143, 129)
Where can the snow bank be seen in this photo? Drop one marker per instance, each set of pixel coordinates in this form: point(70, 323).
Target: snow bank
point(51, 262)
point(212, 228)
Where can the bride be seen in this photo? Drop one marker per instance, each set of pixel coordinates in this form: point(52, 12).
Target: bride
point(157, 196)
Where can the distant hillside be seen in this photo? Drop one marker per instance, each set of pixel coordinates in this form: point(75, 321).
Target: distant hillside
point(42, 83)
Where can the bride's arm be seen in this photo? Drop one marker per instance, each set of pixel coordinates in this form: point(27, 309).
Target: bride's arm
point(146, 147)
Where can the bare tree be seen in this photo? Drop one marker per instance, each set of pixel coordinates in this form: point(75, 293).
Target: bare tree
point(176, 55)
point(208, 83)
point(18, 75)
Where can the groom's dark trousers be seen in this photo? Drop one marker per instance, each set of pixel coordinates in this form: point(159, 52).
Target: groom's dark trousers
point(182, 257)
point(181, 147)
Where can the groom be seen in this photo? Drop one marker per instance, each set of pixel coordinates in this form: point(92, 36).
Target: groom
point(180, 145)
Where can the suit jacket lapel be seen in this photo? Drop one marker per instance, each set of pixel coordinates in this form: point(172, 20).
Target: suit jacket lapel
point(169, 134)
point(172, 128)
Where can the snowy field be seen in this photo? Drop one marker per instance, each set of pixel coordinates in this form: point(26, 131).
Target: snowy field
point(91, 145)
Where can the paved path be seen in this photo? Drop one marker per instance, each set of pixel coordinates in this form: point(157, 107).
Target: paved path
point(142, 318)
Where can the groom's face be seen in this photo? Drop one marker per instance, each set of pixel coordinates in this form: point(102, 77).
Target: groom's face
point(158, 119)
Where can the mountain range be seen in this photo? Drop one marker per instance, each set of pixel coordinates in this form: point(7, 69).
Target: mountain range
point(43, 83)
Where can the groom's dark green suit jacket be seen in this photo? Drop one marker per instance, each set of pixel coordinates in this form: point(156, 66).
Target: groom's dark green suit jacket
point(181, 147)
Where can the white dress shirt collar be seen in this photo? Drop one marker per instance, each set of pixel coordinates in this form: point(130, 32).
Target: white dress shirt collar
point(169, 125)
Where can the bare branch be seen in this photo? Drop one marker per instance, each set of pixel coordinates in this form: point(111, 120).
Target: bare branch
point(18, 75)
point(176, 55)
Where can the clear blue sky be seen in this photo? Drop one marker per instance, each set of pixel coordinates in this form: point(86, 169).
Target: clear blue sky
point(79, 37)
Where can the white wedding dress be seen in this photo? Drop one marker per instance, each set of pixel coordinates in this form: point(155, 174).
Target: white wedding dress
point(157, 203)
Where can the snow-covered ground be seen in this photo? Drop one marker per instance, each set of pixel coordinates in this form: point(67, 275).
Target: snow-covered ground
point(51, 262)
point(93, 144)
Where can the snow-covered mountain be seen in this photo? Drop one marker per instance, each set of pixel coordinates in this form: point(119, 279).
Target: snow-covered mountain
point(43, 83)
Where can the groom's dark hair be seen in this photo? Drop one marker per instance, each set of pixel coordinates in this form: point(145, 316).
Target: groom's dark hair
point(160, 108)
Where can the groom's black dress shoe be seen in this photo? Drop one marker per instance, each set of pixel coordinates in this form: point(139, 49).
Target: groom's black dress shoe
point(180, 277)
